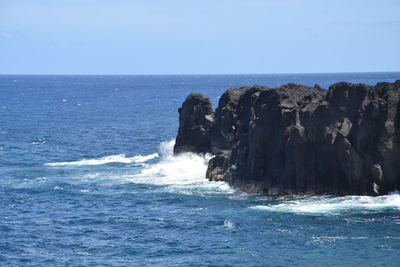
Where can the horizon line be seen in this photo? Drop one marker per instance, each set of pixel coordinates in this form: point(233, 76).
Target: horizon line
point(191, 74)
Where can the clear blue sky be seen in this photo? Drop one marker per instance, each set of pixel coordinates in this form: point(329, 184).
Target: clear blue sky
point(204, 36)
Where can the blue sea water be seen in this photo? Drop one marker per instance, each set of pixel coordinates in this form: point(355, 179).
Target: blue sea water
point(87, 178)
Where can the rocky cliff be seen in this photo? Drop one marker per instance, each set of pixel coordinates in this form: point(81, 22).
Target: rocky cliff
point(296, 139)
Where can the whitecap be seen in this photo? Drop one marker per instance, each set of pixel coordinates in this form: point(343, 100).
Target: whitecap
point(334, 205)
point(184, 173)
point(229, 224)
point(38, 142)
point(104, 160)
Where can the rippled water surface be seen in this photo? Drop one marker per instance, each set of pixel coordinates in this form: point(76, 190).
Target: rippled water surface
point(87, 178)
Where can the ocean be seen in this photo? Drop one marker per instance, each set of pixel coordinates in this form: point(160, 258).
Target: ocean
point(87, 178)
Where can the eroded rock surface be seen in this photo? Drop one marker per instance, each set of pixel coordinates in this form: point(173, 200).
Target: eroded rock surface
point(296, 139)
point(195, 121)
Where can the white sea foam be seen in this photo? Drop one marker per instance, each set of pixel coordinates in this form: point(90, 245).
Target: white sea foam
point(38, 142)
point(41, 179)
point(334, 205)
point(109, 159)
point(184, 173)
point(229, 224)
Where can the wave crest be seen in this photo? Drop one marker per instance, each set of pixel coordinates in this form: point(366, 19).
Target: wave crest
point(184, 173)
point(104, 160)
point(335, 205)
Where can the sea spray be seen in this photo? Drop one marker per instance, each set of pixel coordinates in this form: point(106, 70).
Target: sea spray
point(184, 173)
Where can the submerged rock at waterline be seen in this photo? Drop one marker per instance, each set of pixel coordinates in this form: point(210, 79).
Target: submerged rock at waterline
point(296, 139)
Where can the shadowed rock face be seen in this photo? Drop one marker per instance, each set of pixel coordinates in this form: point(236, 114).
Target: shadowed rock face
point(299, 140)
point(195, 121)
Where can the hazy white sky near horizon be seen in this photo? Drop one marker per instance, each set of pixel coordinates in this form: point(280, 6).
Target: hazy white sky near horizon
point(207, 36)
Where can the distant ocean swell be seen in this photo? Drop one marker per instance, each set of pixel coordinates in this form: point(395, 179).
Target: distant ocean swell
point(185, 174)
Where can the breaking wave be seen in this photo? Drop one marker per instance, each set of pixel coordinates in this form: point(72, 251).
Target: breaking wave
point(184, 173)
point(104, 160)
point(335, 205)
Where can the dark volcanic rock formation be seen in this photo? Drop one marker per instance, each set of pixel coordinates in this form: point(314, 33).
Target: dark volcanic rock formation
point(299, 140)
point(195, 121)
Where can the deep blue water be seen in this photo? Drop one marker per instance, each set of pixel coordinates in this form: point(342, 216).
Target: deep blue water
point(87, 179)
